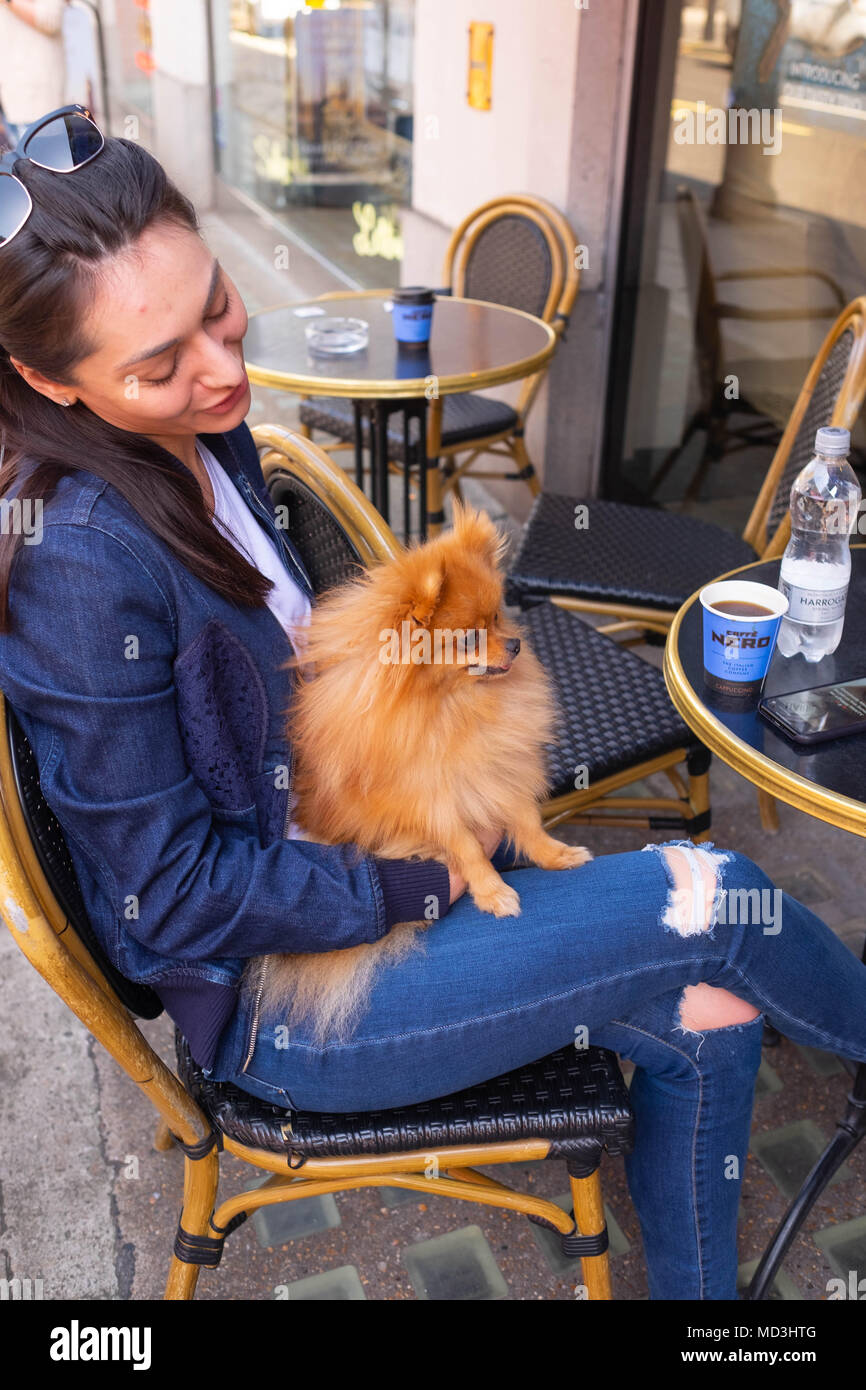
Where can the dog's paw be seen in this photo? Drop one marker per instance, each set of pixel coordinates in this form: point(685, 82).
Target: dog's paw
point(561, 856)
point(502, 901)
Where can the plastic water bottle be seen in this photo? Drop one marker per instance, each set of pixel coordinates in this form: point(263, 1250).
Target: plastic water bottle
point(816, 565)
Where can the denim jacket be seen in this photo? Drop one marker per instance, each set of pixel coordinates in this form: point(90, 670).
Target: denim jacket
point(156, 712)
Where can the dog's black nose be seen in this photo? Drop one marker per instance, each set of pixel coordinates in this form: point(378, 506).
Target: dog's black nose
point(512, 646)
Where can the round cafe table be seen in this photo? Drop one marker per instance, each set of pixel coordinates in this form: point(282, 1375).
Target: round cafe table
point(827, 780)
point(472, 345)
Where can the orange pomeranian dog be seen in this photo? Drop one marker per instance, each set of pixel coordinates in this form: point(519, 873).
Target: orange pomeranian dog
point(415, 727)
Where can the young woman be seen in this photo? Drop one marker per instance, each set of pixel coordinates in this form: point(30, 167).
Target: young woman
point(146, 616)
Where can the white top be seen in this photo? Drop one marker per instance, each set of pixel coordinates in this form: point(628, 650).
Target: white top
point(286, 600)
point(31, 62)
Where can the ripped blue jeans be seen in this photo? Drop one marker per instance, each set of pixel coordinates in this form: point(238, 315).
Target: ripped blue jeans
point(605, 949)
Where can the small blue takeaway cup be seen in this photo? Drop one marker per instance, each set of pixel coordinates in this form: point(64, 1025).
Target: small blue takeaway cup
point(413, 315)
point(741, 623)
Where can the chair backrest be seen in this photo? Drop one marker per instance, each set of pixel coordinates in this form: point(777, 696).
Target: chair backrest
point(40, 908)
point(334, 527)
point(39, 893)
point(519, 251)
point(42, 842)
point(832, 394)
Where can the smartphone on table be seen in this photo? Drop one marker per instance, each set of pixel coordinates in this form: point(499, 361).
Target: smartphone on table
point(824, 712)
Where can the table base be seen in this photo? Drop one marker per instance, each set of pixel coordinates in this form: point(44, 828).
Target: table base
point(378, 414)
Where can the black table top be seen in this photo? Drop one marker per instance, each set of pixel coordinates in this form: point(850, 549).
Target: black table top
point(739, 735)
point(473, 344)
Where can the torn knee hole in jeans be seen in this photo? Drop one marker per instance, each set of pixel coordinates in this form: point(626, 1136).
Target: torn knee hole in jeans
point(719, 1010)
point(695, 894)
point(692, 907)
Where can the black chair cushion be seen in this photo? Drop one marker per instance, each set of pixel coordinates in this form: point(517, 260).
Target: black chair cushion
point(613, 709)
point(624, 554)
point(464, 418)
point(576, 1099)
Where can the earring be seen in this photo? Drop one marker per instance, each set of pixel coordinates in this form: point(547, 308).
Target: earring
point(65, 401)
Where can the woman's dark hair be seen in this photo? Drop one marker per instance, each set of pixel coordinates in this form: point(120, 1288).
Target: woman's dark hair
point(47, 277)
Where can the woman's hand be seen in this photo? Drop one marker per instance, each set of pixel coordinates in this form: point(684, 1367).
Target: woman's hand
point(457, 883)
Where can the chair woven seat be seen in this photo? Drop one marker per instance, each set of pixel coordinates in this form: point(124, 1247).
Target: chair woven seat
point(613, 709)
point(623, 554)
point(464, 418)
point(575, 1099)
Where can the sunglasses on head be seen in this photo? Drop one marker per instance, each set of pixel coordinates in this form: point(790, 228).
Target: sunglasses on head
point(62, 141)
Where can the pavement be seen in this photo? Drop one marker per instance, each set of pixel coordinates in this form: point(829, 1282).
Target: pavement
point(89, 1207)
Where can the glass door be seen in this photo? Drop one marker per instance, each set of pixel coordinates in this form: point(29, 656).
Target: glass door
point(744, 235)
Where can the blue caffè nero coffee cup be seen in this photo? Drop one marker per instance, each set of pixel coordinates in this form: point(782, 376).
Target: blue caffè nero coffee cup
point(413, 315)
point(740, 625)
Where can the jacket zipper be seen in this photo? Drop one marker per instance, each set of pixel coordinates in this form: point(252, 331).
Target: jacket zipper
point(289, 560)
point(287, 819)
point(256, 1008)
point(274, 532)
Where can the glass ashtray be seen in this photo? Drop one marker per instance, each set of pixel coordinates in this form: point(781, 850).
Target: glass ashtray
point(337, 335)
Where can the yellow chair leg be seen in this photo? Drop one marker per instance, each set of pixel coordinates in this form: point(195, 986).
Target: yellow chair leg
point(433, 484)
point(451, 480)
point(769, 810)
point(163, 1140)
point(523, 461)
point(589, 1215)
point(201, 1177)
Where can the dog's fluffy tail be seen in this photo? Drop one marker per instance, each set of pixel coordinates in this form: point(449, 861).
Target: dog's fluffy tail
point(331, 989)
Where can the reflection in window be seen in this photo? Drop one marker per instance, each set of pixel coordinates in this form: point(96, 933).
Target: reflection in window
point(313, 112)
point(754, 236)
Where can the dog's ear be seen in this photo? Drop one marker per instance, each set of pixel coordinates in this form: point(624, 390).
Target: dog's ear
point(475, 530)
point(423, 594)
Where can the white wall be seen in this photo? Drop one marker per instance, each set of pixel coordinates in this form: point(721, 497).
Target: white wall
point(181, 96)
point(180, 39)
point(463, 156)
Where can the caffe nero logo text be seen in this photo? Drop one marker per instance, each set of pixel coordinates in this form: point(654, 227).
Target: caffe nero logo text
point(744, 640)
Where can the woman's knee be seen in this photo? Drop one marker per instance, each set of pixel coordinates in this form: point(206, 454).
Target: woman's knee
point(705, 1006)
point(707, 884)
point(697, 894)
point(694, 886)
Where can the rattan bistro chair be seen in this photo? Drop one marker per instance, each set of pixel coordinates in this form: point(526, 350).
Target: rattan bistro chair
point(571, 1104)
point(637, 565)
point(516, 250)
